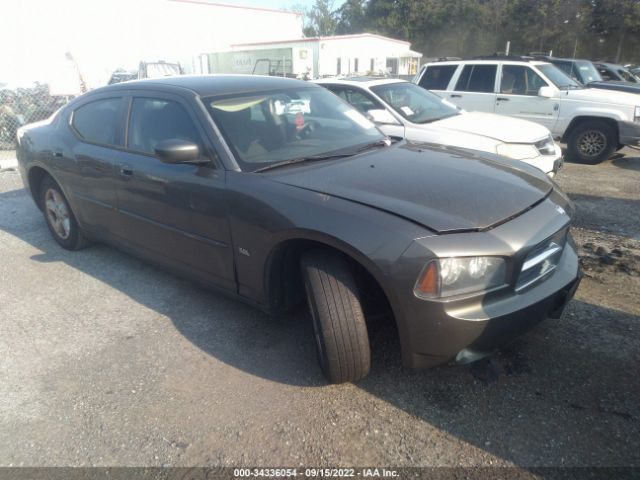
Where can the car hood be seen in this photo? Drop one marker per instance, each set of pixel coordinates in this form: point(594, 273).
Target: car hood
point(602, 95)
point(616, 85)
point(445, 189)
point(498, 127)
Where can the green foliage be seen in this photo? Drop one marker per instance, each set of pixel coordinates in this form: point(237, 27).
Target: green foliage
point(597, 29)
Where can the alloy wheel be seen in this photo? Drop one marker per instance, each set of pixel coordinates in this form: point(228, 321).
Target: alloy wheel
point(58, 213)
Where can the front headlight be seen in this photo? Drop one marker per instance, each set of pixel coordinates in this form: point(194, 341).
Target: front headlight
point(636, 115)
point(446, 277)
point(517, 151)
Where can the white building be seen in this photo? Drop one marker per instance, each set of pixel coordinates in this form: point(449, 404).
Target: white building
point(359, 54)
point(103, 36)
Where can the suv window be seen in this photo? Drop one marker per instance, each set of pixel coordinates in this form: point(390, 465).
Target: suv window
point(477, 78)
point(154, 120)
point(520, 80)
point(437, 77)
point(98, 122)
point(358, 99)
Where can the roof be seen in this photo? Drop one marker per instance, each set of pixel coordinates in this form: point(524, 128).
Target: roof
point(324, 39)
point(480, 62)
point(360, 81)
point(207, 85)
point(216, 4)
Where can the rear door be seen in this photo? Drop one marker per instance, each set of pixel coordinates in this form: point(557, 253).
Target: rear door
point(518, 96)
point(174, 212)
point(475, 87)
point(93, 153)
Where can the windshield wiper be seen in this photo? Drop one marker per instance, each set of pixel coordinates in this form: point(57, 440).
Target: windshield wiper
point(313, 158)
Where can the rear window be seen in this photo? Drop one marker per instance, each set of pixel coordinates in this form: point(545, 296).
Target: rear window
point(99, 121)
point(437, 77)
point(477, 78)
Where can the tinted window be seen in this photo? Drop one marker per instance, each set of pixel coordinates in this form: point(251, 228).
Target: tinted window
point(360, 100)
point(98, 122)
point(519, 80)
point(477, 78)
point(437, 77)
point(154, 120)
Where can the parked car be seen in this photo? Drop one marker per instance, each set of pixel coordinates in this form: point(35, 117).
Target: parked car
point(615, 73)
point(593, 122)
point(274, 190)
point(402, 109)
point(588, 74)
point(146, 69)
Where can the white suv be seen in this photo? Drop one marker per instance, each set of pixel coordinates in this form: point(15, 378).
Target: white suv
point(402, 109)
point(593, 122)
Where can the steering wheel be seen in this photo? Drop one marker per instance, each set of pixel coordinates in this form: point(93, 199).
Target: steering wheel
point(308, 128)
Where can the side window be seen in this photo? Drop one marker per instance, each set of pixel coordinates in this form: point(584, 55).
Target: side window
point(477, 78)
point(437, 77)
point(520, 80)
point(358, 99)
point(99, 121)
point(155, 120)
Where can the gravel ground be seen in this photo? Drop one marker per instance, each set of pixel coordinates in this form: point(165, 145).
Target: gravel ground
point(106, 361)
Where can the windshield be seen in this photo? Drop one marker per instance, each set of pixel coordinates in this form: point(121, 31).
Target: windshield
point(558, 77)
point(415, 103)
point(586, 72)
point(264, 128)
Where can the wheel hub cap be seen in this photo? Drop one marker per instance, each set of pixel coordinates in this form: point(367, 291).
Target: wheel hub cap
point(592, 143)
point(58, 213)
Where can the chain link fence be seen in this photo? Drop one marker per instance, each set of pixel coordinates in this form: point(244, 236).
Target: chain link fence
point(20, 106)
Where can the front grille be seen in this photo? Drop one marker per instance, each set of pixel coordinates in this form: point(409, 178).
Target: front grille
point(542, 260)
point(546, 146)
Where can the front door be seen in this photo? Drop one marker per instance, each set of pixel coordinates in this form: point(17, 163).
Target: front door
point(175, 212)
point(518, 96)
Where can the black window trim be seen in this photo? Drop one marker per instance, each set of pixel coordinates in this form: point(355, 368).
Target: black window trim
point(119, 130)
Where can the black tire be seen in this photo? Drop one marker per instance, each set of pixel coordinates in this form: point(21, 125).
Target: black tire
point(74, 239)
point(591, 142)
point(340, 330)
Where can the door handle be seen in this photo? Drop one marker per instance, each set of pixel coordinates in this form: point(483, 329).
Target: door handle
point(126, 170)
point(502, 99)
point(455, 95)
point(57, 154)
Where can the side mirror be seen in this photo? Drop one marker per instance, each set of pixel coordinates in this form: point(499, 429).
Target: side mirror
point(547, 92)
point(174, 150)
point(381, 116)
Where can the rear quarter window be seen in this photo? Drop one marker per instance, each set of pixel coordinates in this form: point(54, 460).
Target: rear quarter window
point(99, 121)
point(437, 77)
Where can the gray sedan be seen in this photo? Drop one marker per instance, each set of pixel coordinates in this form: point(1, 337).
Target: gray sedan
point(277, 192)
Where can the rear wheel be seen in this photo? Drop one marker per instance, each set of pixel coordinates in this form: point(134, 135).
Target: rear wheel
point(59, 217)
point(591, 142)
point(340, 330)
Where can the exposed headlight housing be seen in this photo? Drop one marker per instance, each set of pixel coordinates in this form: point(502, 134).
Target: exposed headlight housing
point(636, 114)
point(517, 151)
point(448, 277)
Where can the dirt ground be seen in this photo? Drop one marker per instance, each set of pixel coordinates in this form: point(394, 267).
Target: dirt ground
point(105, 360)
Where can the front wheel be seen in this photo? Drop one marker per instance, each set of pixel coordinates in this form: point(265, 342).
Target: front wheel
point(339, 326)
point(591, 142)
point(60, 219)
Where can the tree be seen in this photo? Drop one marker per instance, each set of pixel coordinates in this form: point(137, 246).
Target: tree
point(321, 19)
point(352, 17)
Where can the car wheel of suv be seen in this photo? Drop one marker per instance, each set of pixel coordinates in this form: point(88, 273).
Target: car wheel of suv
point(340, 330)
point(591, 142)
point(59, 217)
